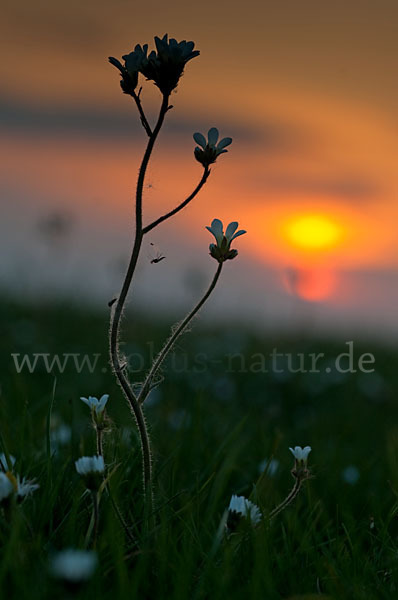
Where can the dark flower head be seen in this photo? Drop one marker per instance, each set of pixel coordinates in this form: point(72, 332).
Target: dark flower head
point(129, 80)
point(136, 60)
point(221, 251)
point(166, 65)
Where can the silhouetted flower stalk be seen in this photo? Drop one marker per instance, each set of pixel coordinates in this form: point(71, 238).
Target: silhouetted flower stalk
point(116, 358)
point(164, 66)
point(300, 473)
point(243, 516)
point(147, 386)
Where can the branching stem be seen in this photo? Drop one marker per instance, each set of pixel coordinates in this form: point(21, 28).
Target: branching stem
point(174, 336)
point(117, 360)
point(201, 183)
point(143, 118)
point(118, 311)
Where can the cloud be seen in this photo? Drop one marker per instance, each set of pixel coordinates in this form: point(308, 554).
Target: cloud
point(55, 120)
point(346, 185)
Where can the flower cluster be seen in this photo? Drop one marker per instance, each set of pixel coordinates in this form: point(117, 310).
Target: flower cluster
point(210, 149)
point(242, 508)
point(164, 66)
point(222, 250)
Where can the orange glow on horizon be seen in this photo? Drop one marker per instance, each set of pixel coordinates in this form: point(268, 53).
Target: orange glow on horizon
point(313, 285)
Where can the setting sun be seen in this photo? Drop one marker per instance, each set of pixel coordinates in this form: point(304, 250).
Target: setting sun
point(313, 232)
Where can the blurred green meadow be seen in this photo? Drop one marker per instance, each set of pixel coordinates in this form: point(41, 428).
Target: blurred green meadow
point(221, 423)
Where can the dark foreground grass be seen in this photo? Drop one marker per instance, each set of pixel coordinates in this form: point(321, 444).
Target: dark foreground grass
point(213, 421)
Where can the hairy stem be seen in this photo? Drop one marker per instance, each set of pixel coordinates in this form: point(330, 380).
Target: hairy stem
point(289, 498)
point(143, 118)
point(118, 311)
point(201, 183)
point(174, 336)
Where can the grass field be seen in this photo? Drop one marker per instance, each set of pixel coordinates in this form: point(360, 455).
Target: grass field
point(214, 421)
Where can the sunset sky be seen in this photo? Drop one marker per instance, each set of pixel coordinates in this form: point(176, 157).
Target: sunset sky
point(308, 92)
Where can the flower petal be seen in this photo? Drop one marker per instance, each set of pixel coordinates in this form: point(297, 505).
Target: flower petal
point(238, 233)
point(224, 143)
point(212, 136)
point(200, 139)
point(102, 402)
point(116, 63)
point(212, 232)
point(229, 232)
point(217, 230)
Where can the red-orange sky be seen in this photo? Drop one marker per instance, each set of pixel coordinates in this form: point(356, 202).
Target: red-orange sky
point(306, 89)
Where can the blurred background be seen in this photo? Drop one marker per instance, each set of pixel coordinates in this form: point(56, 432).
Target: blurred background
point(307, 91)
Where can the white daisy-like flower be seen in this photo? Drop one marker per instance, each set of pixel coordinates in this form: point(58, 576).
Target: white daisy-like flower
point(25, 487)
point(4, 463)
point(96, 405)
point(74, 566)
point(90, 464)
point(210, 149)
point(243, 507)
point(301, 454)
point(6, 487)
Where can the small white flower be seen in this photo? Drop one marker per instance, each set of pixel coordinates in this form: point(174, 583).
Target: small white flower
point(210, 150)
point(6, 487)
point(96, 405)
point(4, 463)
point(74, 566)
point(87, 465)
point(245, 508)
point(301, 454)
point(25, 487)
